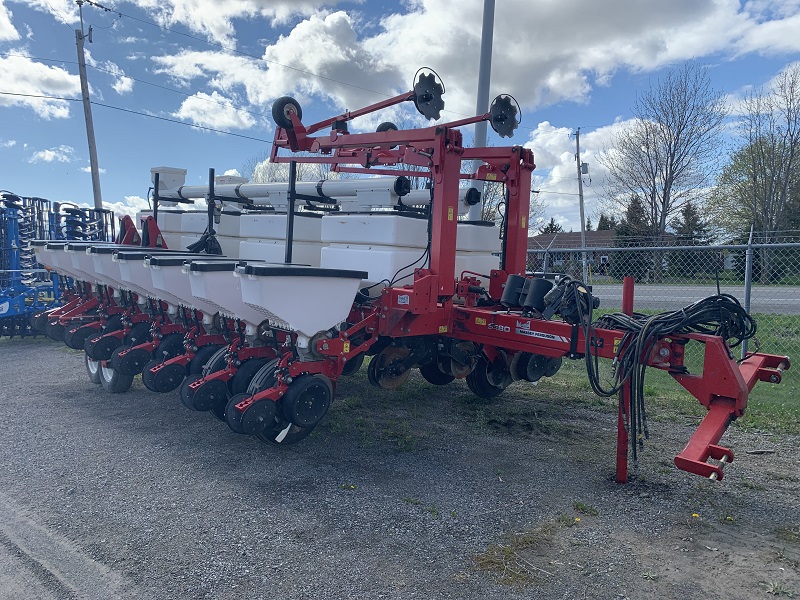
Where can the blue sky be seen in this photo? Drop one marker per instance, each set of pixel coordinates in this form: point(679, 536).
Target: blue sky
point(570, 64)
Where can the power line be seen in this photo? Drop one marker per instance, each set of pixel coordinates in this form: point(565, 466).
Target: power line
point(143, 114)
point(142, 81)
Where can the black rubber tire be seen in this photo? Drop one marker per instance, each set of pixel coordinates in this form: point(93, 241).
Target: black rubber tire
point(307, 401)
point(478, 381)
point(75, 337)
point(92, 369)
point(352, 366)
point(386, 126)
point(170, 347)
point(55, 331)
point(201, 357)
point(280, 109)
point(147, 375)
point(244, 375)
point(113, 323)
point(433, 374)
point(114, 382)
point(217, 362)
point(139, 334)
point(186, 392)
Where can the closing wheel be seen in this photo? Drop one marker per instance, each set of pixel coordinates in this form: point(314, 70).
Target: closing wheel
point(165, 379)
point(307, 400)
point(488, 380)
point(114, 382)
point(75, 337)
point(187, 392)
point(282, 108)
point(92, 369)
point(217, 362)
point(102, 346)
point(263, 379)
point(432, 373)
point(258, 418)
point(129, 361)
point(201, 357)
point(552, 366)
point(353, 365)
point(207, 395)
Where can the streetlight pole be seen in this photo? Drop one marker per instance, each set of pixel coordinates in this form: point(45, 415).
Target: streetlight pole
point(484, 78)
point(87, 109)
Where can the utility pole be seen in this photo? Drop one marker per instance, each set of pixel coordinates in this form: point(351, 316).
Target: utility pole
point(87, 109)
point(580, 197)
point(484, 78)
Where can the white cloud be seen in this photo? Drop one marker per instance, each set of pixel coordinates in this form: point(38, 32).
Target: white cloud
point(214, 18)
point(556, 173)
point(62, 153)
point(22, 75)
point(60, 10)
point(88, 169)
point(213, 110)
point(8, 143)
point(7, 31)
point(130, 206)
point(232, 173)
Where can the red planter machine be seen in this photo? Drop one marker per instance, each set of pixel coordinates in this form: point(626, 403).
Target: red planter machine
point(453, 325)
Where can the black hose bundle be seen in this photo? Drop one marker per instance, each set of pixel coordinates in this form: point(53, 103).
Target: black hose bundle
point(720, 315)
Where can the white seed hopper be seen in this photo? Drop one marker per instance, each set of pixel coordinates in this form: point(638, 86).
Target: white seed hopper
point(213, 281)
point(304, 299)
point(169, 276)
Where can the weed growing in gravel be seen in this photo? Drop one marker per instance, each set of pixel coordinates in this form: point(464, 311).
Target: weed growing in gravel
point(776, 588)
point(586, 509)
point(781, 556)
point(745, 483)
point(504, 561)
point(789, 534)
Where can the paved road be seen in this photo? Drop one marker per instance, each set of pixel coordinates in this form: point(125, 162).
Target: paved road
point(783, 300)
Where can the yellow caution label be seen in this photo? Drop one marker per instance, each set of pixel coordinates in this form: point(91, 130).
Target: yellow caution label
point(616, 344)
point(442, 328)
point(450, 213)
point(491, 177)
point(479, 321)
point(524, 222)
point(346, 347)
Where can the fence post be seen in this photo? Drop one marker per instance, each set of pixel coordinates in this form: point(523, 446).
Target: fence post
point(748, 282)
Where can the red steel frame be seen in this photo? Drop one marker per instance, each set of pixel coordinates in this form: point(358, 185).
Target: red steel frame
point(427, 306)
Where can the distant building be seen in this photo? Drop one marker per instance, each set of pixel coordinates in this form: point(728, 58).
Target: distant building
point(563, 255)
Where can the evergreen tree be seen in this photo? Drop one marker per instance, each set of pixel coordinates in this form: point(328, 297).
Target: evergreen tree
point(691, 230)
point(588, 223)
point(551, 227)
point(606, 223)
point(632, 231)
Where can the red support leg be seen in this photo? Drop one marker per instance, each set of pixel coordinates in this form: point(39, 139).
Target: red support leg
point(624, 415)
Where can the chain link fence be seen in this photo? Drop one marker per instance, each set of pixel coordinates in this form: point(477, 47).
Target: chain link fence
point(765, 278)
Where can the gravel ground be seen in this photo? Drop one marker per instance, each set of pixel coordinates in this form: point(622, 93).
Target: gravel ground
point(420, 493)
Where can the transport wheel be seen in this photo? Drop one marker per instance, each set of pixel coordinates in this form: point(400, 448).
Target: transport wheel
point(114, 382)
point(262, 418)
point(201, 357)
point(92, 368)
point(353, 365)
point(75, 337)
point(282, 108)
point(433, 374)
point(488, 380)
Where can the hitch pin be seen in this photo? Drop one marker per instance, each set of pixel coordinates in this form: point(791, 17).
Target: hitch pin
point(722, 462)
